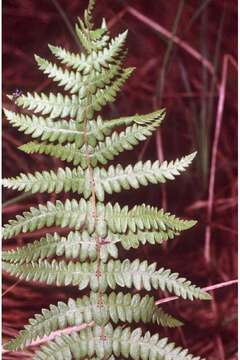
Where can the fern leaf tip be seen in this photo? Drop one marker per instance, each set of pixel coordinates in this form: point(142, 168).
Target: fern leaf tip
point(6, 182)
point(38, 59)
point(27, 148)
point(10, 97)
point(192, 156)
point(191, 223)
point(205, 295)
point(7, 113)
point(51, 47)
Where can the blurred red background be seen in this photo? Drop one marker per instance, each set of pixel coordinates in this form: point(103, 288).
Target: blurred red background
point(185, 55)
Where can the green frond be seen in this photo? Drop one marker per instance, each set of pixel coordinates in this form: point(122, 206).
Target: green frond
point(69, 214)
point(88, 17)
point(75, 180)
point(164, 319)
point(70, 80)
point(49, 129)
point(73, 60)
point(68, 128)
point(74, 214)
point(69, 131)
point(134, 239)
point(114, 307)
point(64, 106)
point(61, 131)
point(103, 153)
point(119, 342)
point(52, 105)
point(84, 37)
point(82, 246)
point(76, 245)
point(145, 119)
point(94, 61)
point(114, 179)
point(98, 34)
point(74, 81)
point(142, 217)
point(139, 275)
point(91, 40)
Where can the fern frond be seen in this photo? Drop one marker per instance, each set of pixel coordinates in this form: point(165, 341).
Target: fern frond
point(145, 119)
point(114, 307)
point(84, 38)
point(74, 214)
point(69, 131)
point(70, 80)
point(82, 246)
point(94, 40)
point(75, 180)
point(64, 106)
point(164, 319)
point(119, 342)
point(74, 60)
point(114, 179)
point(68, 214)
point(61, 131)
point(77, 245)
point(139, 275)
point(103, 153)
point(142, 217)
point(94, 61)
point(46, 128)
point(74, 81)
point(134, 239)
point(88, 17)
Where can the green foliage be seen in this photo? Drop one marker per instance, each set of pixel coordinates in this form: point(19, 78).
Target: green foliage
point(76, 245)
point(121, 342)
point(114, 179)
point(68, 131)
point(75, 215)
point(94, 61)
point(116, 308)
point(139, 275)
point(74, 106)
point(104, 152)
point(86, 255)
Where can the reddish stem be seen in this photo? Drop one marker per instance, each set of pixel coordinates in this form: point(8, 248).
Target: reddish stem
point(222, 94)
point(208, 288)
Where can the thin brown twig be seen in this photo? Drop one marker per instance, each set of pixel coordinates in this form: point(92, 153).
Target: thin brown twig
point(219, 116)
point(67, 22)
point(11, 287)
point(157, 27)
point(112, 22)
point(160, 88)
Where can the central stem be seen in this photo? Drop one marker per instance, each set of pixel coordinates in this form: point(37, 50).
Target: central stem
point(94, 210)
